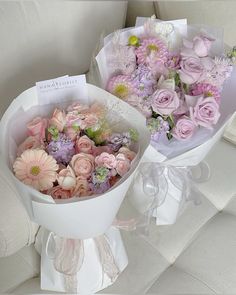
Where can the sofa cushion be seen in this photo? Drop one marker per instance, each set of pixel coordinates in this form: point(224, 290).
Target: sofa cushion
point(18, 268)
point(16, 229)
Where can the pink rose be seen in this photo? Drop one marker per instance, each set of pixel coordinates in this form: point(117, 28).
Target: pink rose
point(83, 164)
point(202, 45)
point(97, 150)
point(106, 160)
point(82, 188)
point(184, 128)
point(206, 112)
point(31, 142)
point(71, 133)
point(84, 145)
point(66, 178)
point(37, 127)
point(123, 164)
point(164, 101)
point(90, 120)
point(182, 109)
point(57, 192)
point(72, 120)
point(97, 109)
point(83, 120)
point(191, 70)
point(76, 108)
point(58, 119)
point(130, 155)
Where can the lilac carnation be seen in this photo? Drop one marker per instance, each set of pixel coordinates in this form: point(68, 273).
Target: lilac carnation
point(62, 150)
point(117, 140)
point(100, 188)
point(157, 127)
point(144, 81)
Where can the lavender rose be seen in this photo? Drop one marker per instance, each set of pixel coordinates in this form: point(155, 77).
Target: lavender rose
point(202, 45)
point(164, 101)
point(191, 70)
point(184, 128)
point(206, 112)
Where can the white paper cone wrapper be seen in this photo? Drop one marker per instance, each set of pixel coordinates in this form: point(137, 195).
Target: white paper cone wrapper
point(90, 277)
point(81, 218)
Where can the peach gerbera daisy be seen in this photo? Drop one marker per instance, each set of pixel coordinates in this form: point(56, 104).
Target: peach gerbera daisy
point(36, 168)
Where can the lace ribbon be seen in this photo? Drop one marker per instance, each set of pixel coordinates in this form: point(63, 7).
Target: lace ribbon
point(108, 263)
point(69, 254)
point(158, 180)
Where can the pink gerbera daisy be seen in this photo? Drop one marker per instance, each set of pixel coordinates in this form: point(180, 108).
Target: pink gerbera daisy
point(36, 168)
point(121, 86)
point(152, 46)
point(206, 90)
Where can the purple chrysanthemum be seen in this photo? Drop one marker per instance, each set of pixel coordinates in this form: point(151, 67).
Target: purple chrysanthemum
point(62, 149)
point(206, 90)
point(152, 45)
point(121, 86)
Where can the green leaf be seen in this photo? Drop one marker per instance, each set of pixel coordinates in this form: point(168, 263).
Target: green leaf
point(54, 132)
point(177, 79)
point(75, 127)
point(171, 121)
point(169, 136)
point(133, 134)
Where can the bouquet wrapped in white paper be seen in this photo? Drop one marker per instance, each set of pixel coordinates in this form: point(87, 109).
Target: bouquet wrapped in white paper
point(178, 78)
point(81, 217)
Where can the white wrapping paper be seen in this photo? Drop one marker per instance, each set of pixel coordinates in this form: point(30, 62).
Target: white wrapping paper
point(76, 218)
point(90, 278)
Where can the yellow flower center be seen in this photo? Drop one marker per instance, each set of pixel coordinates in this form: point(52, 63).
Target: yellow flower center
point(35, 170)
point(153, 47)
point(133, 40)
point(207, 94)
point(121, 90)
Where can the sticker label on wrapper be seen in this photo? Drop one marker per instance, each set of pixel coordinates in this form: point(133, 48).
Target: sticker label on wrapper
point(62, 89)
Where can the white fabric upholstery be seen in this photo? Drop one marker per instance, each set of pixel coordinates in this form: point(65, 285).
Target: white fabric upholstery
point(44, 39)
point(16, 230)
point(18, 268)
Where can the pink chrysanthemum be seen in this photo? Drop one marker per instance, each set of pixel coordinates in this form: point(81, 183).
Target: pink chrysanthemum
point(206, 90)
point(121, 86)
point(36, 168)
point(152, 46)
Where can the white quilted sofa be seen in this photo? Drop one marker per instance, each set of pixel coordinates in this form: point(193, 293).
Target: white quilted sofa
point(197, 255)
